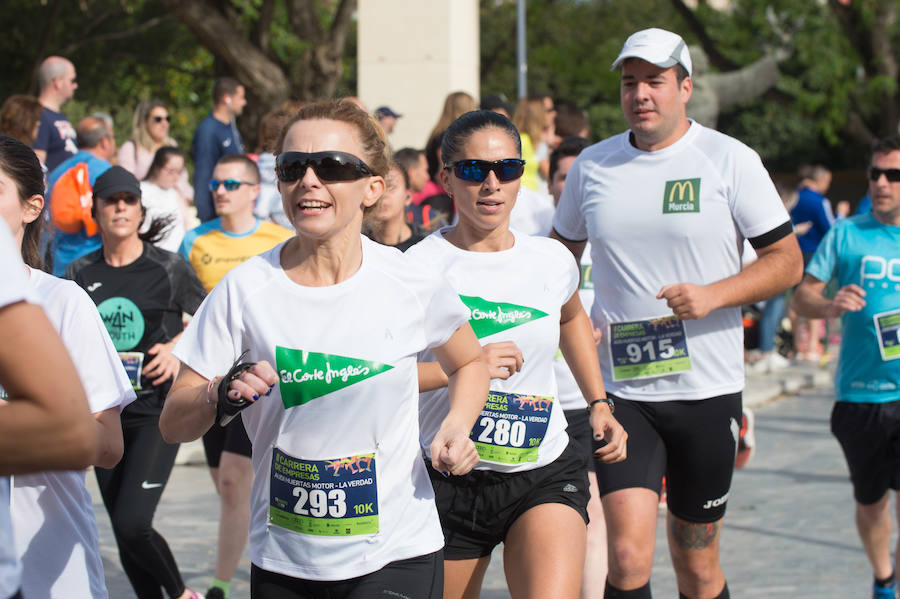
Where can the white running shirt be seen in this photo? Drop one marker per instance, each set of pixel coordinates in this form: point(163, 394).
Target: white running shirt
point(648, 229)
point(52, 512)
point(13, 289)
point(512, 295)
point(348, 491)
point(570, 397)
point(163, 203)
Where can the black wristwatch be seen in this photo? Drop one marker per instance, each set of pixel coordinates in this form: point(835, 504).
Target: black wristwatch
point(606, 400)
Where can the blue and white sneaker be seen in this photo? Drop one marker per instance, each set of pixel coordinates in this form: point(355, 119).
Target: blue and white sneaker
point(889, 592)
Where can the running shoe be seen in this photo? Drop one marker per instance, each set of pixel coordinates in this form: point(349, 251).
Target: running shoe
point(215, 593)
point(662, 495)
point(889, 592)
point(746, 440)
point(777, 362)
point(195, 594)
point(768, 363)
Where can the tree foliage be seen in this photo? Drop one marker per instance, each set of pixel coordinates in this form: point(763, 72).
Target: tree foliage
point(839, 86)
point(126, 51)
point(123, 51)
point(279, 49)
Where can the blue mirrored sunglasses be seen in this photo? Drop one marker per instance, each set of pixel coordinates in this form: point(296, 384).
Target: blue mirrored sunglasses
point(230, 184)
point(477, 171)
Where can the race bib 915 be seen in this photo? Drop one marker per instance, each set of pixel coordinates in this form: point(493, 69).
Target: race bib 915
point(648, 348)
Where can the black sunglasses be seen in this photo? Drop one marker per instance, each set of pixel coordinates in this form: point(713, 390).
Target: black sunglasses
point(477, 171)
point(129, 199)
point(328, 166)
point(230, 184)
point(159, 119)
point(892, 174)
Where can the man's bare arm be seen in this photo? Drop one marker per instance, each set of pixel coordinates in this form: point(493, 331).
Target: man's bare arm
point(778, 267)
point(576, 247)
point(810, 301)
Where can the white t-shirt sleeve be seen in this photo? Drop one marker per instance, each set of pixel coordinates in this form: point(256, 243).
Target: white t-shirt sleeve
point(568, 220)
point(14, 286)
point(211, 341)
point(444, 314)
point(101, 372)
point(755, 203)
point(444, 311)
point(572, 272)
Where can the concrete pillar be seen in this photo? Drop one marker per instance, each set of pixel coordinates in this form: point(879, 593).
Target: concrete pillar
point(412, 53)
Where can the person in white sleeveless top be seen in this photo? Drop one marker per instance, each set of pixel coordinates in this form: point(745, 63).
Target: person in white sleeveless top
point(324, 330)
point(530, 489)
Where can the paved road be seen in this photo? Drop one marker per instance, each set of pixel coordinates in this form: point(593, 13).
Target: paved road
point(789, 530)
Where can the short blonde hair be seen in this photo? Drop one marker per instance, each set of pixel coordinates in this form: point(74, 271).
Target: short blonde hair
point(377, 153)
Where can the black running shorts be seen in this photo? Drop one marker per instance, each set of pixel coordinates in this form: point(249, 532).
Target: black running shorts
point(415, 578)
point(579, 430)
point(478, 509)
point(232, 438)
point(869, 434)
point(693, 443)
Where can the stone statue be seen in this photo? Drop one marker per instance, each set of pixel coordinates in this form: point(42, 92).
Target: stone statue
point(716, 91)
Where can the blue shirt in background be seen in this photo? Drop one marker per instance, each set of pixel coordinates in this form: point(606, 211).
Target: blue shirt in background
point(863, 251)
point(812, 207)
point(68, 247)
point(56, 136)
point(212, 140)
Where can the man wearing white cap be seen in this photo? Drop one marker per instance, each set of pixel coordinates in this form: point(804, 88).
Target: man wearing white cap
point(666, 206)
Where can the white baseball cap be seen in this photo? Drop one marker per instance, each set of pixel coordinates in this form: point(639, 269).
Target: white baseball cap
point(657, 46)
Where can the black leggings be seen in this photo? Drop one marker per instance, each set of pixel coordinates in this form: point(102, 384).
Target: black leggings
point(415, 578)
point(131, 491)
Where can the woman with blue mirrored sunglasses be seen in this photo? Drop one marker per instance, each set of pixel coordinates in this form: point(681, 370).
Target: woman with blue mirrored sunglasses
point(476, 171)
point(530, 489)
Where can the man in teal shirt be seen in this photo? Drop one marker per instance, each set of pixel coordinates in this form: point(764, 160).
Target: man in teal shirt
point(863, 254)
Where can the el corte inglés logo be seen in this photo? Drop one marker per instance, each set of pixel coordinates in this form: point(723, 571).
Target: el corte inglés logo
point(488, 317)
point(304, 375)
point(682, 195)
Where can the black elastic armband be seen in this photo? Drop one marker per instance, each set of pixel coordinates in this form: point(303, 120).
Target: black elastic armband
point(227, 408)
point(566, 239)
point(776, 234)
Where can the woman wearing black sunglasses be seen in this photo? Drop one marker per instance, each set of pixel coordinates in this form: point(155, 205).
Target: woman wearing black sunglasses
point(141, 292)
point(530, 489)
point(150, 132)
point(331, 323)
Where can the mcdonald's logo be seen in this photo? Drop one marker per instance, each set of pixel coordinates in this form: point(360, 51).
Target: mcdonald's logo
point(682, 195)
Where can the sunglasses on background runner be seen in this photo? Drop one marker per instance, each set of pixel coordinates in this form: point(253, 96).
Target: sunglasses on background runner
point(130, 200)
point(159, 119)
point(892, 174)
point(230, 184)
point(328, 166)
point(477, 171)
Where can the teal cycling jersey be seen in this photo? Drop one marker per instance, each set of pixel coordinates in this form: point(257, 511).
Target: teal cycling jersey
point(865, 252)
